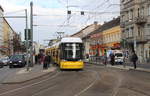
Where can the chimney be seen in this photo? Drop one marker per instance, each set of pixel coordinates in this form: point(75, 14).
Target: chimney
point(95, 24)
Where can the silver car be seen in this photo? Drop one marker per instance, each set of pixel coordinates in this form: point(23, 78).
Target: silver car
point(5, 61)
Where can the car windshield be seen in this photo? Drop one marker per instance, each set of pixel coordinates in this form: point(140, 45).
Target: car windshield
point(16, 57)
point(119, 54)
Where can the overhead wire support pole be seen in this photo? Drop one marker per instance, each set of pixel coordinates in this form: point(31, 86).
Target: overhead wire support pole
point(27, 40)
point(31, 26)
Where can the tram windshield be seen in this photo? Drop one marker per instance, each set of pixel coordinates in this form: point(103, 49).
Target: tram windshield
point(72, 51)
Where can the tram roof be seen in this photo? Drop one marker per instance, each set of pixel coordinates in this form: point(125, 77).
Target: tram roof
point(71, 40)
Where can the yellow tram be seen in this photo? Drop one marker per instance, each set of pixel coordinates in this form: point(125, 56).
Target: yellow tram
point(68, 53)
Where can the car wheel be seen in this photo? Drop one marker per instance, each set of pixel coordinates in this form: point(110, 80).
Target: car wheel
point(10, 66)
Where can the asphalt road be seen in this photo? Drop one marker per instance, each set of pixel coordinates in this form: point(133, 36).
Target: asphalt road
point(92, 81)
point(5, 71)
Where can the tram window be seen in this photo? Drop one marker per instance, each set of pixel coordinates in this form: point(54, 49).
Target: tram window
point(72, 51)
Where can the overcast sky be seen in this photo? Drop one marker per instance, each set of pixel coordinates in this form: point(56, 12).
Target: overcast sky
point(52, 15)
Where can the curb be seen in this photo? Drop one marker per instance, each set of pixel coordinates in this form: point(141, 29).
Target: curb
point(23, 81)
point(123, 68)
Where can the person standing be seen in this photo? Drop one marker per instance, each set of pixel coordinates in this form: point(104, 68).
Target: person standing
point(134, 59)
point(47, 61)
point(112, 59)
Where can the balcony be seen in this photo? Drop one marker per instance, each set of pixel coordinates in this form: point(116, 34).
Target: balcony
point(138, 39)
point(141, 39)
point(140, 20)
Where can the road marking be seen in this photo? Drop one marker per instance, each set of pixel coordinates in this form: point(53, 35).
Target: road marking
point(4, 93)
point(49, 69)
point(23, 71)
point(88, 87)
point(43, 91)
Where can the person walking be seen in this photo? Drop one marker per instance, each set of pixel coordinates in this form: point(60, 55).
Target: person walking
point(112, 59)
point(105, 59)
point(49, 59)
point(134, 59)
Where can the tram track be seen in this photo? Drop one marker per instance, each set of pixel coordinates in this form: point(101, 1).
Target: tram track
point(50, 87)
point(28, 86)
point(90, 85)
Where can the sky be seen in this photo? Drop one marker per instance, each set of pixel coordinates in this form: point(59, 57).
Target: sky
point(50, 16)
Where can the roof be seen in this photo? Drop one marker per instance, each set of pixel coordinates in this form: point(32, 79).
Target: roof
point(108, 25)
point(81, 30)
point(71, 40)
point(8, 24)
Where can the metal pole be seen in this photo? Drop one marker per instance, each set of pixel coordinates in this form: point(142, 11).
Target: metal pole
point(31, 26)
point(135, 43)
point(27, 41)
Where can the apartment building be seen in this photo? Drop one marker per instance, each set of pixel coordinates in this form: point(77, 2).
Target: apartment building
point(1, 31)
point(8, 33)
point(107, 37)
point(135, 27)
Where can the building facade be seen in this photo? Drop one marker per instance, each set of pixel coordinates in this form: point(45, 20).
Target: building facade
point(135, 27)
point(1, 32)
point(8, 33)
point(107, 37)
point(84, 33)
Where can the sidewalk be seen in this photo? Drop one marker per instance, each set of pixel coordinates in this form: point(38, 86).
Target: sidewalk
point(23, 75)
point(128, 66)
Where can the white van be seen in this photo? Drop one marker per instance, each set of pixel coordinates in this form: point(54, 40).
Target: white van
point(119, 57)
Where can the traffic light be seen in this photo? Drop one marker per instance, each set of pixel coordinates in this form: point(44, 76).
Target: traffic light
point(68, 12)
point(28, 34)
point(82, 12)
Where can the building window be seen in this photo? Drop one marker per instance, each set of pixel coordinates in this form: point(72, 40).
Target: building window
point(131, 15)
point(127, 16)
point(138, 12)
point(127, 33)
point(148, 9)
point(147, 30)
point(139, 31)
point(142, 11)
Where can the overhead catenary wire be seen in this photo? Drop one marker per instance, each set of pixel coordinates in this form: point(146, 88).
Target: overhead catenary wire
point(104, 11)
point(14, 12)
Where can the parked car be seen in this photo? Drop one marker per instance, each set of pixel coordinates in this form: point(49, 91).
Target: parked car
point(1, 64)
point(17, 60)
point(5, 61)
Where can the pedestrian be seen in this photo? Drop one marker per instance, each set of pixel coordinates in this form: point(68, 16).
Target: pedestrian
point(112, 59)
point(47, 61)
point(42, 56)
point(104, 58)
point(134, 59)
point(36, 59)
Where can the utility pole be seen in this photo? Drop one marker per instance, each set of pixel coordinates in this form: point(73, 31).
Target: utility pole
point(31, 26)
point(27, 40)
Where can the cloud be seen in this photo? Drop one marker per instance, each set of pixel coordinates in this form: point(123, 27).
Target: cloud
point(51, 14)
